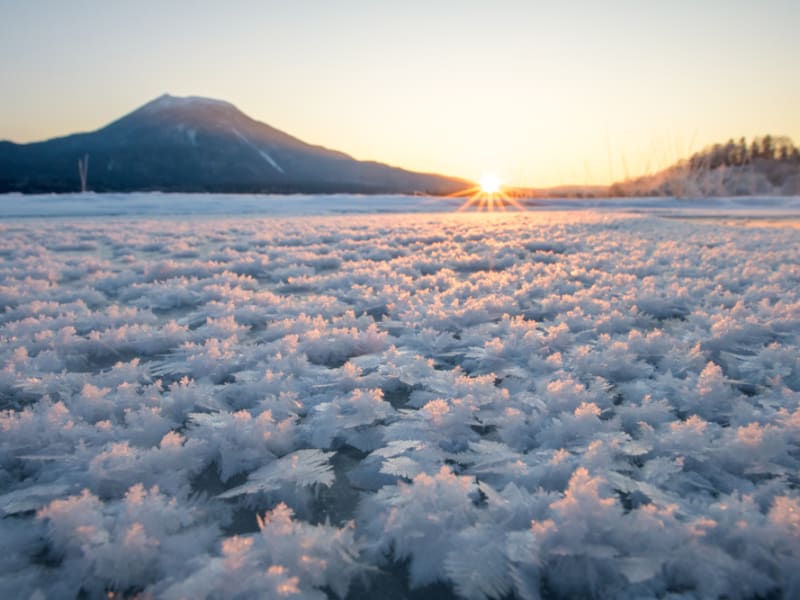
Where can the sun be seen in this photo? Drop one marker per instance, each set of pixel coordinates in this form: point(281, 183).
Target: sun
point(490, 184)
point(489, 195)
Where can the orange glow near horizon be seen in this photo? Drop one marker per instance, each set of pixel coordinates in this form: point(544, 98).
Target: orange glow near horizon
point(490, 184)
point(489, 195)
point(549, 94)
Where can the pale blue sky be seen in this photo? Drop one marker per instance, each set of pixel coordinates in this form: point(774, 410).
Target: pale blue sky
point(539, 94)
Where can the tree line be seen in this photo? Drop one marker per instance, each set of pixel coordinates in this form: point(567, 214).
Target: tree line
point(738, 153)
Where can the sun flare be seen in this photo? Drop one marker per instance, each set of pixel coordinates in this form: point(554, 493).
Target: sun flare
point(489, 195)
point(490, 184)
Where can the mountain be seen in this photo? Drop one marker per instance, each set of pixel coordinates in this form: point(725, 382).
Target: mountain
point(199, 144)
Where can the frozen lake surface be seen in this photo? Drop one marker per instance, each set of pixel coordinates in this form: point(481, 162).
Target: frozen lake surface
point(225, 396)
point(158, 204)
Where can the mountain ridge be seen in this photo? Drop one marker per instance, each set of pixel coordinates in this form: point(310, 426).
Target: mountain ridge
point(188, 144)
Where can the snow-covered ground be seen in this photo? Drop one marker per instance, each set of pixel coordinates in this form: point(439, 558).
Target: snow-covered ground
point(586, 403)
point(158, 204)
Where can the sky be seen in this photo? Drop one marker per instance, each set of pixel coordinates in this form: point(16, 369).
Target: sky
point(536, 93)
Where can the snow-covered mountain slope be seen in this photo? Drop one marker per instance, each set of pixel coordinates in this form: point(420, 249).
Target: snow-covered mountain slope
point(200, 144)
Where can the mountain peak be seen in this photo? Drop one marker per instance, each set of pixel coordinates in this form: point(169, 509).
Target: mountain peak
point(167, 101)
point(193, 143)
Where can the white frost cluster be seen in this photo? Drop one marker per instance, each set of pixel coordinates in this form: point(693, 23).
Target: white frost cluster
point(551, 405)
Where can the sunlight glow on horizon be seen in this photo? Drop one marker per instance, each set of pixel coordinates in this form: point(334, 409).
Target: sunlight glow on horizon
point(585, 94)
point(489, 196)
point(490, 184)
